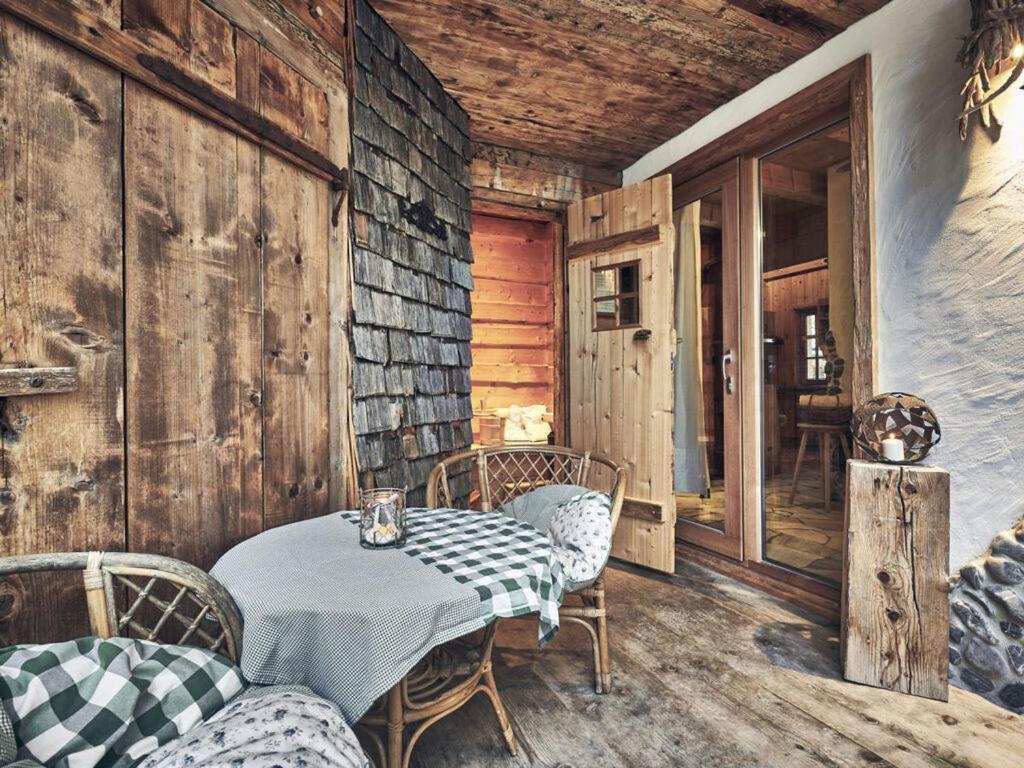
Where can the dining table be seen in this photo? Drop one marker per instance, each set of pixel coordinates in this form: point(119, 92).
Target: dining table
point(396, 637)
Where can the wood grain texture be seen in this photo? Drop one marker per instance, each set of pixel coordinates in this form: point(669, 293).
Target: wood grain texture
point(604, 81)
point(527, 179)
point(61, 456)
point(189, 33)
point(295, 214)
point(19, 382)
point(194, 336)
point(134, 58)
point(620, 241)
point(896, 588)
point(621, 398)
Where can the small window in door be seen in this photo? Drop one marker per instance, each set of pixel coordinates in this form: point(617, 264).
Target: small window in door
point(617, 296)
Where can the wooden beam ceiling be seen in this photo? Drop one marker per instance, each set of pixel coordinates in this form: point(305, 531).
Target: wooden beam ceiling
point(604, 81)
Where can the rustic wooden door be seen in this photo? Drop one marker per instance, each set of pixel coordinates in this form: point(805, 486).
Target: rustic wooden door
point(61, 453)
point(620, 280)
point(173, 287)
point(708, 218)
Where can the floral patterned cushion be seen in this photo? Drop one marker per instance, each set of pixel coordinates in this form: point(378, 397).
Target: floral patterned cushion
point(275, 728)
point(581, 533)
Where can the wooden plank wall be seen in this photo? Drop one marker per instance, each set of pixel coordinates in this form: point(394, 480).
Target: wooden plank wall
point(203, 338)
point(194, 342)
point(513, 313)
point(295, 215)
point(60, 488)
point(782, 298)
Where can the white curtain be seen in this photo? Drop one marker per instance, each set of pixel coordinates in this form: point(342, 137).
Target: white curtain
point(691, 461)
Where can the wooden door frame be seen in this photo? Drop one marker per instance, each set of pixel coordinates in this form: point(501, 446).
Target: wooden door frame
point(844, 94)
point(684, 194)
point(559, 292)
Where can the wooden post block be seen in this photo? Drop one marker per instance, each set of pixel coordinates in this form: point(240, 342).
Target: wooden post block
point(896, 591)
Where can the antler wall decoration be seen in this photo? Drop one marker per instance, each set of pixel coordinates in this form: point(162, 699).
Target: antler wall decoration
point(997, 37)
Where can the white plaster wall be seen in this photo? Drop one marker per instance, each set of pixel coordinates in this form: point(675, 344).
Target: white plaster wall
point(950, 255)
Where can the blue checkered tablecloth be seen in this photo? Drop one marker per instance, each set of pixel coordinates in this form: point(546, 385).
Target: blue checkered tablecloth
point(321, 611)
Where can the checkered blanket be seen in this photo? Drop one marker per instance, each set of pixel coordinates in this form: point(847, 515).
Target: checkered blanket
point(93, 702)
point(509, 563)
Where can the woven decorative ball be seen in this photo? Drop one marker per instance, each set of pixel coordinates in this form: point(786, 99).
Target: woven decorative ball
point(896, 414)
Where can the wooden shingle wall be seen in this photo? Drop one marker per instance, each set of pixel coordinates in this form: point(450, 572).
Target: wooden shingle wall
point(411, 268)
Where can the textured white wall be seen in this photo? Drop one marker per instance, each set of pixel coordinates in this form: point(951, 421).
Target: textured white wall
point(950, 237)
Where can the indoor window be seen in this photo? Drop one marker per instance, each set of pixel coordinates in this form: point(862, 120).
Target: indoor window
point(814, 324)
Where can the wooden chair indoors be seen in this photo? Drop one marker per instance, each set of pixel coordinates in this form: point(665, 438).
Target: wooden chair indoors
point(502, 473)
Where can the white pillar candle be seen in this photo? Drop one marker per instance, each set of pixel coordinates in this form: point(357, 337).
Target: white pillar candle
point(892, 449)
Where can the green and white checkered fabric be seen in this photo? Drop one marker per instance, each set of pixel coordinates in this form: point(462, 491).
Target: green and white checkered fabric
point(509, 563)
point(96, 703)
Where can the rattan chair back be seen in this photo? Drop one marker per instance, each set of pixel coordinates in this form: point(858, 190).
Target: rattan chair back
point(505, 472)
point(150, 597)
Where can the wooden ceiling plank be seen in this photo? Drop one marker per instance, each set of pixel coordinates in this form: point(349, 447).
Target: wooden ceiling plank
point(603, 81)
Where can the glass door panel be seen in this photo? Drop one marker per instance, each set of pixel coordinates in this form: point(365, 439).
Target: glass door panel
point(806, 339)
point(706, 364)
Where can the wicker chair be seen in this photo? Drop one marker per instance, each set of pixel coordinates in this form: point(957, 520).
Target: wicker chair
point(505, 472)
point(160, 597)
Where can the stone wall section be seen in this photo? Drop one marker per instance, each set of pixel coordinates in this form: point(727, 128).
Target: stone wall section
point(986, 636)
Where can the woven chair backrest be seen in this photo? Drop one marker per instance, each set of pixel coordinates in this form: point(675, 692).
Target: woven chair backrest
point(148, 597)
point(504, 472)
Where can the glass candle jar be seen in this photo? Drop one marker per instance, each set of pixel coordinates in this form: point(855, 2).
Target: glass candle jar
point(382, 518)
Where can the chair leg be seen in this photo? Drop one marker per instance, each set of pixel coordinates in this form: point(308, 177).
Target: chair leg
point(491, 688)
point(605, 671)
point(799, 461)
point(825, 446)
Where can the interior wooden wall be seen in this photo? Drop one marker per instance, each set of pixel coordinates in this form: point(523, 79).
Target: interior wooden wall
point(513, 313)
point(191, 282)
point(782, 298)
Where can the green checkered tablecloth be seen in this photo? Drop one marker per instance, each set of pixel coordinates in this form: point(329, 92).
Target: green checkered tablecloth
point(508, 562)
point(349, 623)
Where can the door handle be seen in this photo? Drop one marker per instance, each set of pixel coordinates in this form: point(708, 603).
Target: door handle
point(727, 360)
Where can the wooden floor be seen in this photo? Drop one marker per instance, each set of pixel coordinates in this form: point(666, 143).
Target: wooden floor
point(710, 673)
point(801, 535)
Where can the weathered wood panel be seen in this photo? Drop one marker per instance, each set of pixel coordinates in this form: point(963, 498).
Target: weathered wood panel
point(193, 332)
point(513, 313)
point(108, 10)
point(896, 588)
point(291, 101)
point(530, 180)
point(61, 455)
point(621, 397)
point(604, 81)
point(295, 219)
point(190, 34)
